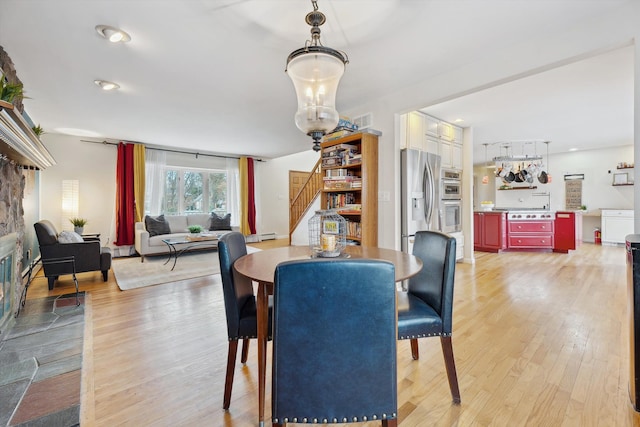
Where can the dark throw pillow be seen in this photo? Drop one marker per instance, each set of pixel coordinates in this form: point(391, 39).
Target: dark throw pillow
point(219, 223)
point(156, 226)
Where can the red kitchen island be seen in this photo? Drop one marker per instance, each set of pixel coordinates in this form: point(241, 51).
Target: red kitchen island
point(536, 230)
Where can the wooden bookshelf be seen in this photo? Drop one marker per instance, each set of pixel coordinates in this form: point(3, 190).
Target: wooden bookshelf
point(355, 197)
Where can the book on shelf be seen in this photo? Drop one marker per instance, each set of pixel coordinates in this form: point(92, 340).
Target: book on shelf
point(336, 134)
point(336, 172)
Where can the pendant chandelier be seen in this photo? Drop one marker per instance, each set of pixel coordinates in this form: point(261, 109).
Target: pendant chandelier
point(316, 71)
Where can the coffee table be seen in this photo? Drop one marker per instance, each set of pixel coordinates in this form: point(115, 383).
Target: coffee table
point(180, 245)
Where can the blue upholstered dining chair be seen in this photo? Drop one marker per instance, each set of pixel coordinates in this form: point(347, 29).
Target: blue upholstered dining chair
point(426, 309)
point(239, 304)
point(334, 342)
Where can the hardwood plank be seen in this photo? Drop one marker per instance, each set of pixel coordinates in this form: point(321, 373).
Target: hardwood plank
point(539, 339)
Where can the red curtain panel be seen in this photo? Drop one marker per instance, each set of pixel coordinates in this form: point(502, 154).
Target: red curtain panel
point(125, 197)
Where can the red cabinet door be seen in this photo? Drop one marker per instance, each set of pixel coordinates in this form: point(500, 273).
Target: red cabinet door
point(494, 231)
point(565, 235)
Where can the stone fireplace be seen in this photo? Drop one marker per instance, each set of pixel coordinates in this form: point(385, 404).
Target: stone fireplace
point(21, 152)
point(11, 239)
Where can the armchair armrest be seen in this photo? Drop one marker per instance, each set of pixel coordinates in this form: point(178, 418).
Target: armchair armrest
point(86, 255)
point(141, 242)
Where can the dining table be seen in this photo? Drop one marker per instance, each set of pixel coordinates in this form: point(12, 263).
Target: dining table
point(260, 267)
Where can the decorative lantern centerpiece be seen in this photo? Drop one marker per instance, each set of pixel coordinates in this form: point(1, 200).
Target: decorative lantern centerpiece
point(327, 234)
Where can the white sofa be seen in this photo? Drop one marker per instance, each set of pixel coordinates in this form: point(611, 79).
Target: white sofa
point(153, 245)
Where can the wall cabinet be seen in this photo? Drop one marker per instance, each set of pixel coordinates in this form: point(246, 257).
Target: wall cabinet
point(431, 126)
point(489, 231)
point(355, 198)
point(422, 132)
point(616, 224)
point(415, 131)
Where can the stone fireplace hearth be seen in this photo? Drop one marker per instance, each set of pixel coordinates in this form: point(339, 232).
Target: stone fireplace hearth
point(11, 239)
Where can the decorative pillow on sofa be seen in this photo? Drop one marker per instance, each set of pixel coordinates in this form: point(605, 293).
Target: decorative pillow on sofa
point(219, 223)
point(69, 237)
point(156, 226)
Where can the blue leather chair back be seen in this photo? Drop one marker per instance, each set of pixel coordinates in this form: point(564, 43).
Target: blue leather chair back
point(334, 348)
point(239, 300)
point(434, 283)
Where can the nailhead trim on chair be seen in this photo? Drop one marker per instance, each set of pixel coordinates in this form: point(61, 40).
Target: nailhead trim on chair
point(241, 338)
point(412, 337)
point(335, 420)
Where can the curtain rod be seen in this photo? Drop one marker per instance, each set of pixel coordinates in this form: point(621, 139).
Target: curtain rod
point(195, 153)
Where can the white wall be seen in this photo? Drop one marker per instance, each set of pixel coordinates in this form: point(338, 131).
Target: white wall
point(94, 166)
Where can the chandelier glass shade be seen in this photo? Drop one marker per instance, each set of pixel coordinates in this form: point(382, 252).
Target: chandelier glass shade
point(315, 71)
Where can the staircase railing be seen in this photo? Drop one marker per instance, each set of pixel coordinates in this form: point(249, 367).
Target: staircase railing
point(305, 197)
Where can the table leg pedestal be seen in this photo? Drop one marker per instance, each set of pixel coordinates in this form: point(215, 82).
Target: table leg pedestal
point(262, 301)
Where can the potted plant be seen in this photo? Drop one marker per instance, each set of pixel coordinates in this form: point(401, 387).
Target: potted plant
point(195, 229)
point(78, 224)
point(9, 92)
point(37, 129)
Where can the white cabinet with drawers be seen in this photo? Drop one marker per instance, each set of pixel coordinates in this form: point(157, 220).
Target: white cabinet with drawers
point(616, 224)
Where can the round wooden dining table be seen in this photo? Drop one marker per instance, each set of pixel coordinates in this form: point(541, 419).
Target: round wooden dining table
point(261, 266)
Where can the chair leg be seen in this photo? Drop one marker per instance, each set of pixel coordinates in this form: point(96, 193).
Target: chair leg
point(245, 350)
point(414, 349)
point(450, 364)
point(105, 275)
point(51, 281)
point(390, 423)
point(231, 366)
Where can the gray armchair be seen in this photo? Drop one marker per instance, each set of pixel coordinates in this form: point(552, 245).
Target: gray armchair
point(88, 255)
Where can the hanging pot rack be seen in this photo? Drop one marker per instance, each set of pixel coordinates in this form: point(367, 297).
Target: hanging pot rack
point(509, 157)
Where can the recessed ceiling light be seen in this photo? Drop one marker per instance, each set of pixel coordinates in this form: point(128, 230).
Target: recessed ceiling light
point(105, 85)
point(573, 149)
point(113, 34)
point(459, 120)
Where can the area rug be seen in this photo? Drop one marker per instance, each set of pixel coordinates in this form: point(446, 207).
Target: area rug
point(130, 273)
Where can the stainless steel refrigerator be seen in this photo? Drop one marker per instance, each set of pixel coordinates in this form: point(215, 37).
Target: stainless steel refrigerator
point(420, 190)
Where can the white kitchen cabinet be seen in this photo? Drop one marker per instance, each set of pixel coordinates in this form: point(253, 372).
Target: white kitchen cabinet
point(456, 155)
point(422, 132)
point(415, 131)
point(616, 224)
point(446, 131)
point(457, 134)
point(431, 125)
point(459, 244)
point(446, 154)
point(432, 145)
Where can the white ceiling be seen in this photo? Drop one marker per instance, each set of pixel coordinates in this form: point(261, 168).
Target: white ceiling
point(208, 75)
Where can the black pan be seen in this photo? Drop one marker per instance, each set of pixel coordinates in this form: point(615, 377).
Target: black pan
point(543, 177)
point(510, 177)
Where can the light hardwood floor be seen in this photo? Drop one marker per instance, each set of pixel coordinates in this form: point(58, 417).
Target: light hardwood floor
point(540, 339)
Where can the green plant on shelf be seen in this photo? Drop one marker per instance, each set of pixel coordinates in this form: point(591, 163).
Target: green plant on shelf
point(10, 91)
point(37, 129)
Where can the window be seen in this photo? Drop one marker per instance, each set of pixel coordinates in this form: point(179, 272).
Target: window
point(194, 191)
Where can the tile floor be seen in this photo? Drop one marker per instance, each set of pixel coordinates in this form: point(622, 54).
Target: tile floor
point(40, 364)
